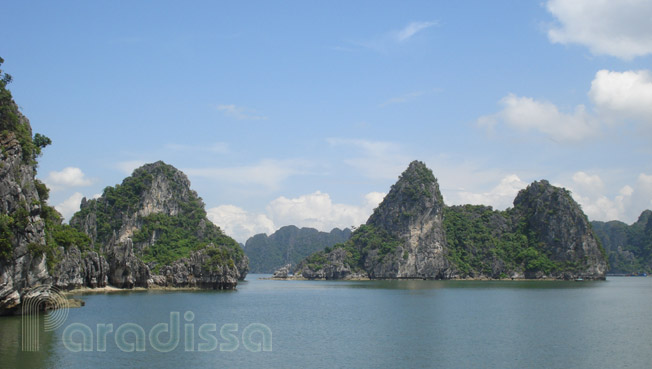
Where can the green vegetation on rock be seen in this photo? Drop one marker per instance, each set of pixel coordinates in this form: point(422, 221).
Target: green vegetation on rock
point(12, 126)
point(483, 241)
point(173, 230)
point(176, 236)
point(364, 240)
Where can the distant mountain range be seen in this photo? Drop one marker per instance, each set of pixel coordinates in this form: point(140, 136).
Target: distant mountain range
point(289, 245)
point(629, 247)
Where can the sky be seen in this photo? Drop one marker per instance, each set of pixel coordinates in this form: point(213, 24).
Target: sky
point(306, 112)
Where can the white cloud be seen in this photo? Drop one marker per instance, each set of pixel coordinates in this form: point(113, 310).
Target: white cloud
point(238, 223)
point(68, 177)
point(626, 205)
point(588, 183)
point(623, 94)
point(70, 206)
point(315, 210)
point(268, 173)
point(527, 114)
point(617, 97)
point(412, 29)
point(392, 39)
point(618, 28)
point(377, 160)
point(128, 167)
point(500, 197)
point(239, 112)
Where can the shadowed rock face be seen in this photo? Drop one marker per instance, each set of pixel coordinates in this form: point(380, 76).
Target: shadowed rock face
point(563, 230)
point(545, 235)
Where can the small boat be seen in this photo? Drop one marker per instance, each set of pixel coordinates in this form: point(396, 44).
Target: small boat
point(579, 279)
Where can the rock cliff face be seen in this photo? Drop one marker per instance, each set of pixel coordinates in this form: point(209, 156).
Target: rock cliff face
point(153, 230)
point(412, 212)
point(413, 234)
point(289, 245)
point(20, 222)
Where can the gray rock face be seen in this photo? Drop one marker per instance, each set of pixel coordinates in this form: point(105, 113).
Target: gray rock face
point(126, 269)
point(282, 272)
point(20, 271)
point(412, 212)
point(336, 267)
point(195, 271)
point(77, 270)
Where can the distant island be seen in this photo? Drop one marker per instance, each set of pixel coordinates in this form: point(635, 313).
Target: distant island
point(288, 245)
point(413, 234)
point(629, 247)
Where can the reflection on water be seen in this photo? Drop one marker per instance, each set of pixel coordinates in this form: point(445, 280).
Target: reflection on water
point(420, 284)
point(371, 324)
point(11, 353)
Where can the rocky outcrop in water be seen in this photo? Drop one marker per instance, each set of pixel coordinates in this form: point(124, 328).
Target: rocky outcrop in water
point(282, 272)
point(154, 231)
point(413, 234)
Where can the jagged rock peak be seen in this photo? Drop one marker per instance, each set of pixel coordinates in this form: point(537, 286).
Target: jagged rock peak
point(415, 192)
point(164, 188)
point(156, 188)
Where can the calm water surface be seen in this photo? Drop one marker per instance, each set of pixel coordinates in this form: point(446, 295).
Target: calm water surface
point(368, 324)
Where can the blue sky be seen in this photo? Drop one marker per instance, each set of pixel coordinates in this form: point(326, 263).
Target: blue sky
point(306, 112)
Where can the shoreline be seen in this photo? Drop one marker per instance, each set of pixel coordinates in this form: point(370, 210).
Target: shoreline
point(429, 279)
point(113, 289)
